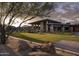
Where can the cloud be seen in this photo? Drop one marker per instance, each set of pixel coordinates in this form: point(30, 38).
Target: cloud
point(67, 6)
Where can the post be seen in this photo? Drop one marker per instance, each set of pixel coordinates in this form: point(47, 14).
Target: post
point(63, 29)
point(38, 27)
point(32, 30)
point(46, 26)
point(71, 29)
point(51, 28)
point(41, 27)
point(35, 28)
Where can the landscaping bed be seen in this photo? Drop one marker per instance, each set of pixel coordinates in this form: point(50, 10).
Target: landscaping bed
point(45, 37)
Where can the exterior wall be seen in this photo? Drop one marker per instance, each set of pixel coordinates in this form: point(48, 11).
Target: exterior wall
point(52, 26)
point(76, 28)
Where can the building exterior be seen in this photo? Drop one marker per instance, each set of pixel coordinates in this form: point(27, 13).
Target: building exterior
point(48, 25)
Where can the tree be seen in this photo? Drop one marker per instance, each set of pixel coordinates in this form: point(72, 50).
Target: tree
point(14, 10)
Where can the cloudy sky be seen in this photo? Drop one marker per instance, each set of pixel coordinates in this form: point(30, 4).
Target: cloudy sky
point(65, 11)
point(67, 6)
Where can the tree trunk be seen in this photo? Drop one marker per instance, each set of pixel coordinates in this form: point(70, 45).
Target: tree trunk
point(2, 35)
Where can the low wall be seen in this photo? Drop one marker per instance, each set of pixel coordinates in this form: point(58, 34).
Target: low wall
point(25, 46)
point(19, 45)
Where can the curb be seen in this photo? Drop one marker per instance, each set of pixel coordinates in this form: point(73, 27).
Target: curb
point(67, 51)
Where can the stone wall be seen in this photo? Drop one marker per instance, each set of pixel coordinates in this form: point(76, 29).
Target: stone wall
point(21, 46)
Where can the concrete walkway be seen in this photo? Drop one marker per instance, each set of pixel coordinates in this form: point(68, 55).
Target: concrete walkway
point(68, 45)
point(6, 51)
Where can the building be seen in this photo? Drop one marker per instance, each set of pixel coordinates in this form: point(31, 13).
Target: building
point(48, 25)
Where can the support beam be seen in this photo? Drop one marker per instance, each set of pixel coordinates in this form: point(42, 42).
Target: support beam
point(38, 27)
point(41, 27)
point(46, 26)
point(63, 28)
point(51, 28)
point(32, 28)
point(71, 29)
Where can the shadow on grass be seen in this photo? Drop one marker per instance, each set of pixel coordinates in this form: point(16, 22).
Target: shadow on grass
point(27, 38)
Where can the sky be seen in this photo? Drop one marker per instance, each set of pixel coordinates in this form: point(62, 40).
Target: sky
point(16, 22)
point(65, 10)
point(68, 11)
point(67, 6)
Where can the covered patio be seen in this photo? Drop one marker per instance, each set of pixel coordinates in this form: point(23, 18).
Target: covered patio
point(48, 25)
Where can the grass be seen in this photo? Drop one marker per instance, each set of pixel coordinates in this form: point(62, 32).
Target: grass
point(45, 37)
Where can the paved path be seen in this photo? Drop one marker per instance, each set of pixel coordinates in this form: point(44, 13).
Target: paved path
point(6, 51)
point(68, 45)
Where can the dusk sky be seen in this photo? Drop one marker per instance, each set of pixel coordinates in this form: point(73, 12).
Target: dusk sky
point(66, 11)
point(66, 6)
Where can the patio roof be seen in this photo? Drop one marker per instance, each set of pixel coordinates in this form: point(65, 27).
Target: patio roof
point(38, 21)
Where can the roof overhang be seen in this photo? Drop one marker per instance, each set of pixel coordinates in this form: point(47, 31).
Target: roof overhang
point(42, 20)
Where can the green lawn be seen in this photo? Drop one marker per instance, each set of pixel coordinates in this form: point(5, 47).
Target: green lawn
point(45, 37)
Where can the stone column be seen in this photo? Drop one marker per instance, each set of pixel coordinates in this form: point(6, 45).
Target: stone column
point(71, 29)
point(51, 28)
point(41, 27)
point(32, 30)
point(38, 27)
point(63, 29)
point(46, 26)
point(35, 28)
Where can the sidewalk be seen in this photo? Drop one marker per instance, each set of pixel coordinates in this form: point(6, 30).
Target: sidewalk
point(68, 46)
